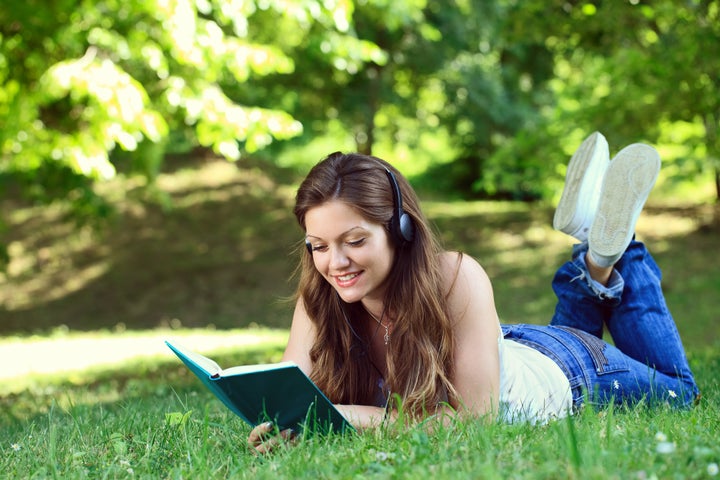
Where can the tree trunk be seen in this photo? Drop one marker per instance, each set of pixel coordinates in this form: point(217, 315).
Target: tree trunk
point(365, 135)
point(711, 124)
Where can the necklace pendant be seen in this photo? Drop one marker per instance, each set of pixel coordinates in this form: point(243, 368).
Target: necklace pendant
point(386, 337)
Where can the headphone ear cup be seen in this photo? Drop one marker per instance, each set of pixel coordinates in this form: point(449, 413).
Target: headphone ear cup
point(401, 225)
point(406, 228)
point(308, 245)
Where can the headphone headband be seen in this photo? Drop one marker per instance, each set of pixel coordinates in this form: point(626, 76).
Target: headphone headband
point(401, 225)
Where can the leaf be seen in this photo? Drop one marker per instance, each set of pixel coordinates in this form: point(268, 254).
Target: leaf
point(180, 419)
point(118, 443)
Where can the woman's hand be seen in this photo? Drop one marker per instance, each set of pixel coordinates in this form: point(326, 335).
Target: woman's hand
point(265, 438)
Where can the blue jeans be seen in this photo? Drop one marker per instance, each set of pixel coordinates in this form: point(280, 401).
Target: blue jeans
point(647, 361)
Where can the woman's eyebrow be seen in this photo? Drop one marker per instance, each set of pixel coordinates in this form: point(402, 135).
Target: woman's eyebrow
point(345, 233)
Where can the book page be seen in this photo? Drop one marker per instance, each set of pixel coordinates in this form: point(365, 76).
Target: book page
point(203, 362)
point(263, 367)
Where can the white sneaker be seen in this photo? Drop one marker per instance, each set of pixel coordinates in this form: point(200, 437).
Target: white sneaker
point(628, 182)
point(585, 172)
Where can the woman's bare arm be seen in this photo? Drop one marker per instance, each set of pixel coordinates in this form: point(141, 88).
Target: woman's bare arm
point(301, 340)
point(476, 327)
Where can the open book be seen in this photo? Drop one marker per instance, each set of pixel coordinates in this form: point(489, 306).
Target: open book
point(277, 392)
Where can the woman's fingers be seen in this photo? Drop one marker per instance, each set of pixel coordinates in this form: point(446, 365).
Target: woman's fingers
point(264, 438)
point(288, 435)
point(260, 433)
point(267, 446)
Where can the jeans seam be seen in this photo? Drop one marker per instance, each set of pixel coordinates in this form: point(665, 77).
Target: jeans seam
point(594, 345)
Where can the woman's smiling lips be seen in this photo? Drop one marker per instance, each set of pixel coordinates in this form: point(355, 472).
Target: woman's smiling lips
point(347, 279)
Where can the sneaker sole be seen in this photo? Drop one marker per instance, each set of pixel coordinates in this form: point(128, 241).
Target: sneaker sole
point(628, 182)
point(585, 170)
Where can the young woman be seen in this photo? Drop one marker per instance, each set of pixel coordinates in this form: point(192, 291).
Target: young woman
point(383, 313)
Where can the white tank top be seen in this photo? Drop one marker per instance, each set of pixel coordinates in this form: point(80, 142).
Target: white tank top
point(533, 388)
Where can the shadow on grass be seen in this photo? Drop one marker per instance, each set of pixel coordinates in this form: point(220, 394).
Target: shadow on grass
point(224, 255)
point(221, 255)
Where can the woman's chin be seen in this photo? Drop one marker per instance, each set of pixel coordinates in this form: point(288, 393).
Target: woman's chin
point(349, 296)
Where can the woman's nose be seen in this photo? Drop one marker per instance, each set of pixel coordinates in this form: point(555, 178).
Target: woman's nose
point(338, 259)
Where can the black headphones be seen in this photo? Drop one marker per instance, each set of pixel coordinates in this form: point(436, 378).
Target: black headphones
point(402, 228)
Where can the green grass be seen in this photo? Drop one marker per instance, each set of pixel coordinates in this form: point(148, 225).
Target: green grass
point(159, 422)
point(221, 257)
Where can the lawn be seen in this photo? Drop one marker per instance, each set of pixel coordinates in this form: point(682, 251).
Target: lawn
point(153, 419)
point(218, 260)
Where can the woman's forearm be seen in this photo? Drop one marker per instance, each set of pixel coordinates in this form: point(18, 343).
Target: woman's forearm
point(363, 417)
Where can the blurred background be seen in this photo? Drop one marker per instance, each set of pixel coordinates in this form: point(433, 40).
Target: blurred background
point(150, 149)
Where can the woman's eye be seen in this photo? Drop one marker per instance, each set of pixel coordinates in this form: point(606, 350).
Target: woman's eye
point(319, 248)
point(356, 243)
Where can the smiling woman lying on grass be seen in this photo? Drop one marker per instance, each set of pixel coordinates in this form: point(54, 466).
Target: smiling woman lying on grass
point(383, 315)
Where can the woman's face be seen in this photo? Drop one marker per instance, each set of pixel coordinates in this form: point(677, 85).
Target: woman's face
point(351, 253)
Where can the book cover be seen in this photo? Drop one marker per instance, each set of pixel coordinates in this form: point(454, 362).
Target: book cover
point(277, 392)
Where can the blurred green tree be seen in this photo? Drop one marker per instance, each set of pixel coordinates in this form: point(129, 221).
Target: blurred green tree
point(445, 70)
point(83, 80)
point(506, 84)
point(636, 70)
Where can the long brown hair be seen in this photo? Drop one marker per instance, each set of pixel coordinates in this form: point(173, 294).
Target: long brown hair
point(420, 353)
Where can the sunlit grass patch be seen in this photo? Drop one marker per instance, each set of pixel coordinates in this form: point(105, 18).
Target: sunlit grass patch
point(43, 363)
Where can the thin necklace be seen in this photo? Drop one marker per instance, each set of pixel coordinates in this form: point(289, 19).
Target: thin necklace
point(386, 337)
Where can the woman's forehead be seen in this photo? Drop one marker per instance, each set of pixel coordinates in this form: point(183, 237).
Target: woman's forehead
point(333, 219)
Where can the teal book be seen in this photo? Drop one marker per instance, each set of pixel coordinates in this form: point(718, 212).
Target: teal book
point(277, 392)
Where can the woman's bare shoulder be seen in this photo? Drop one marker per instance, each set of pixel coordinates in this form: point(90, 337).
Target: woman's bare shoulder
point(457, 265)
point(468, 286)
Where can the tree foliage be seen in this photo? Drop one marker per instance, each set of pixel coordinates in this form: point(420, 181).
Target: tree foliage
point(443, 69)
point(637, 70)
point(81, 79)
point(501, 86)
